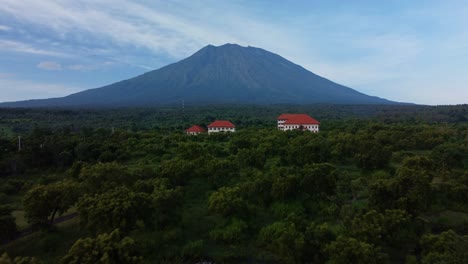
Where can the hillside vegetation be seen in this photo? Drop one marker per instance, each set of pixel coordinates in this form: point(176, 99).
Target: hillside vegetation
point(378, 184)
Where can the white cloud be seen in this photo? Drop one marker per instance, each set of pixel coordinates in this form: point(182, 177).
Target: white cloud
point(80, 67)
point(50, 65)
point(4, 28)
point(386, 52)
point(6, 75)
point(26, 48)
point(177, 33)
point(91, 67)
point(14, 90)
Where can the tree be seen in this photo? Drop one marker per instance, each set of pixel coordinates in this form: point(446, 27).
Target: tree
point(409, 190)
point(104, 176)
point(284, 241)
point(5, 259)
point(449, 155)
point(228, 201)
point(350, 250)
point(117, 208)
point(178, 171)
point(371, 155)
point(43, 202)
point(165, 201)
point(233, 232)
point(447, 248)
point(319, 180)
point(218, 171)
point(255, 158)
point(316, 237)
point(284, 187)
point(392, 228)
point(108, 248)
point(8, 227)
point(308, 148)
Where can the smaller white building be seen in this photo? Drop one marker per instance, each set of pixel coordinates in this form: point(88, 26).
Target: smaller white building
point(298, 122)
point(195, 130)
point(221, 126)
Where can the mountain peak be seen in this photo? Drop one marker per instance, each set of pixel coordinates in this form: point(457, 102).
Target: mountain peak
point(229, 73)
point(224, 47)
point(230, 45)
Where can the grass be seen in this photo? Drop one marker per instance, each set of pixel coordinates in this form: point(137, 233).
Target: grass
point(47, 246)
point(6, 131)
point(458, 221)
point(21, 221)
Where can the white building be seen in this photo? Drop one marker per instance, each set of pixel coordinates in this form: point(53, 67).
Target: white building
point(195, 130)
point(297, 122)
point(221, 126)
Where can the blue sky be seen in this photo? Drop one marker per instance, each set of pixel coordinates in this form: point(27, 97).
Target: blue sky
point(412, 51)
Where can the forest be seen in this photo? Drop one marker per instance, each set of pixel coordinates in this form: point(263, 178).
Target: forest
point(377, 184)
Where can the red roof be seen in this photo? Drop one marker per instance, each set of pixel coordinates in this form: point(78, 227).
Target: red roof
point(195, 128)
point(222, 123)
point(298, 119)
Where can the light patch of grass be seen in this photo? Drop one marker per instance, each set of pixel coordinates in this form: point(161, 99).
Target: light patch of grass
point(447, 219)
point(5, 131)
point(48, 246)
point(21, 221)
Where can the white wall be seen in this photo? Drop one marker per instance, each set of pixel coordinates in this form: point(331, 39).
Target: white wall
point(312, 128)
point(220, 129)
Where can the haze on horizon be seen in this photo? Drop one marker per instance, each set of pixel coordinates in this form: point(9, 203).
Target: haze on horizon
point(410, 51)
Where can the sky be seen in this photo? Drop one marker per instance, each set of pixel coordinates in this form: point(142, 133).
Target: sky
point(409, 51)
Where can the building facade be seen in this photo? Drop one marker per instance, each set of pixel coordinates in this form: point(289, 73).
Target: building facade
point(298, 122)
point(195, 130)
point(221, 126)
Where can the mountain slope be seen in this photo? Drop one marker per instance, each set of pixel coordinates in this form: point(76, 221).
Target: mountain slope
point(224, 74)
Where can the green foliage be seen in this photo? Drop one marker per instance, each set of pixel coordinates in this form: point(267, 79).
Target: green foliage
point(193, 250)
point(317, 236)
point(152, 201)
point(228, 201)
point(108, 248)
point(372, 155)
point(251, 158)
point(349, 250)
point(5, 259)
point(104, 176)
point(178, 171)
point(284, 187)
point(381, 178)
point(392, 229)
point(43, 202)
point(409, 190)
point(234, 231)
point(8, 227)
point(119, 208)
point(449, 155)
point(447, 248)
point(319, 180)
point(308, 148)
point(283, 209)
point(283, 241)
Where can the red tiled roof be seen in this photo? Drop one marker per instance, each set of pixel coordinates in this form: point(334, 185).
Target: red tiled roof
point(195, 128)
point(284, 116)
point(298, 119)
point(222, 123)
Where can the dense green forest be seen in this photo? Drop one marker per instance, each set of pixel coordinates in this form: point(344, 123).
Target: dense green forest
point(378, 184)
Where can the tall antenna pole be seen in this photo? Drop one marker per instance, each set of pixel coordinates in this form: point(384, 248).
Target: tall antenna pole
point(183, 104)
point(19, 143)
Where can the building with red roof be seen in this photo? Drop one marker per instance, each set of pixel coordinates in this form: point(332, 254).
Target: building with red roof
point(221, 126)
point(195, 130)
point(297, 122)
